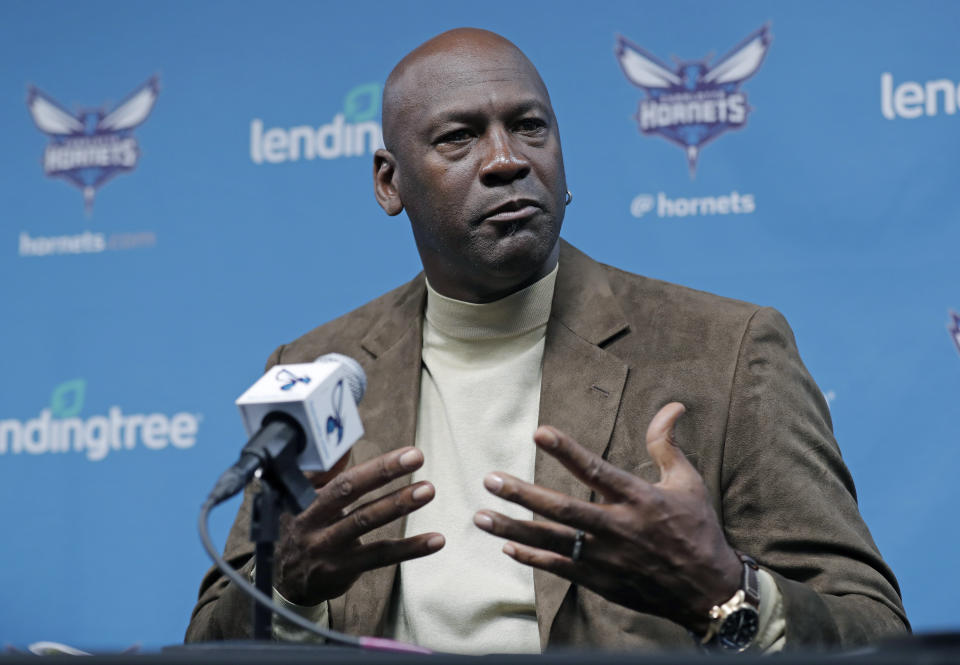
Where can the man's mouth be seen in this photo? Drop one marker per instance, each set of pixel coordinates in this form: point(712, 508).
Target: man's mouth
point(512, 213)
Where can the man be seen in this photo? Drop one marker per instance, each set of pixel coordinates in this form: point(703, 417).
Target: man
point(680, 433)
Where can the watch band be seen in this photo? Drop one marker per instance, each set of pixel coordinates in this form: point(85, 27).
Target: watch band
point(750, 582)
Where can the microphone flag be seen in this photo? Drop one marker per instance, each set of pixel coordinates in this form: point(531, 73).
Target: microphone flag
point(318, 396)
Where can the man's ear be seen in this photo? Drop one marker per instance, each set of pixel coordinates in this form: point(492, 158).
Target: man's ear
point(384, 182)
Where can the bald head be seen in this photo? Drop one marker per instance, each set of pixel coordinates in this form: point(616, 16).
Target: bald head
point(454, 58)
point(473, 156)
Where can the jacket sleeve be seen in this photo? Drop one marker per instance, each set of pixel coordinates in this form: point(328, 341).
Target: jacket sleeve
point(789, 500)
point(223, 612)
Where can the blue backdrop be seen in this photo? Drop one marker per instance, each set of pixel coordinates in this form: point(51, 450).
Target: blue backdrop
point(152, 253)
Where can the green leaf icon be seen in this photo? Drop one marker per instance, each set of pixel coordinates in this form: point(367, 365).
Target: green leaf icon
point(362, 103)
point(67, 398)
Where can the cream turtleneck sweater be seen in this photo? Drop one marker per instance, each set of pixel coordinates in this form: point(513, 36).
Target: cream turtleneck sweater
point(479, 404)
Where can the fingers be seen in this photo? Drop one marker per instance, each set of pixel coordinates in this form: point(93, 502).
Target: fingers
point(662, 446)
point(376, 513)
point(543, 545)
point(543, 535)
point(353, 483)
point(546, 502)
point(549, 561)
point(388, 552)
point(589, 467)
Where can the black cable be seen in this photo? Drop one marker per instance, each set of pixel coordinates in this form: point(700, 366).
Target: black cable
point(373, 643)
point(261, 447)
point(259, 596)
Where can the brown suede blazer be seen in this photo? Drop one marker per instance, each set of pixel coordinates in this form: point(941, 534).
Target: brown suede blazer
point(618, 347)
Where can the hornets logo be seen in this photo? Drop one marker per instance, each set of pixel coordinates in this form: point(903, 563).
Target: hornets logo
point(90, 147)
point(694, 102)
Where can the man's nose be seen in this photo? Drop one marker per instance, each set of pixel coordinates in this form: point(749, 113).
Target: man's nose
point(502, 162)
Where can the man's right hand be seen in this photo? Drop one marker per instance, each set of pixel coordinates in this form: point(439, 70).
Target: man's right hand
point(319, 554)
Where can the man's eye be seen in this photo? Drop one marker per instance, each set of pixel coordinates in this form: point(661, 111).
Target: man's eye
point(456, 136)
point(530, 126)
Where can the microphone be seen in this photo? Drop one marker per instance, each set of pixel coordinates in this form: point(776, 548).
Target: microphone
point(302, 415)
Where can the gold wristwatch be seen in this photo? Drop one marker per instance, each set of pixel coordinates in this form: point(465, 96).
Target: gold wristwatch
point(734, 625)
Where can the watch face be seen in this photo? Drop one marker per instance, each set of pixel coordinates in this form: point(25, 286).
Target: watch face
point(738, 630)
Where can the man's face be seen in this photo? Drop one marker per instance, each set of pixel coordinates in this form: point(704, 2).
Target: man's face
point(480, 171)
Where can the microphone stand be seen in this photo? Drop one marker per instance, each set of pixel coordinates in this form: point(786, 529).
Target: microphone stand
point(282, 486)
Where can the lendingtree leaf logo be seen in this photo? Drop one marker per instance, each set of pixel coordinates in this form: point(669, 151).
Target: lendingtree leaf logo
point(60, 428)
point(362, 103)
point(67, 398)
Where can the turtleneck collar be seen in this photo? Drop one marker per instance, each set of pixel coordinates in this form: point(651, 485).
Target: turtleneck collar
point(513, 315)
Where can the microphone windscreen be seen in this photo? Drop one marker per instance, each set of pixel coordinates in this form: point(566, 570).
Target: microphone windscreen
point(355, 376)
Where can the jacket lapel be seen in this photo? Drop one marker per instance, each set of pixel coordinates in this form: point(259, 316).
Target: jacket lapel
point(581, 389)
point(389, 417)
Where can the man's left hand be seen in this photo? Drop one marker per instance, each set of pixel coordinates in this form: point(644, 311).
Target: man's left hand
point(656, 548)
